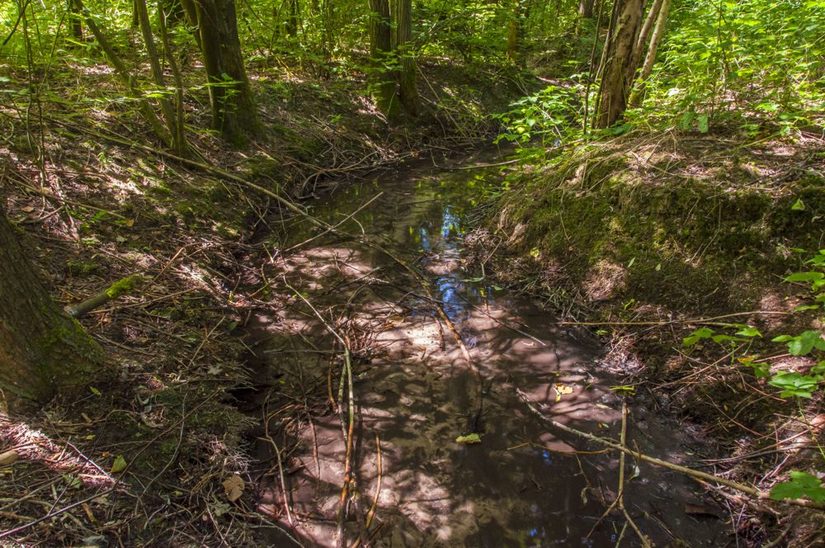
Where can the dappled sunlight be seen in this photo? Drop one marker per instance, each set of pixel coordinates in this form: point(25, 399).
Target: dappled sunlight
point(18, 441)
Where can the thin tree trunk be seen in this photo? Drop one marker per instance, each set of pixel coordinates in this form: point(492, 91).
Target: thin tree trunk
point(125, 76)
point(157, 71)
point(618, 69)
point(644, 34)
point(230, 96)
point(75, 21)
point(638, 94)
point(586, 9)
point(383, 81)
point(515, 32)
point(42, 351)
point(407, 91)
point(179, 135)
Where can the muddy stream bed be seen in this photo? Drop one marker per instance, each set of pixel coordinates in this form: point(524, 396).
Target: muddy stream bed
point(524, 484)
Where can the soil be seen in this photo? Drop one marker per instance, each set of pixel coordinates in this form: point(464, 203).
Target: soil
point(415, 394)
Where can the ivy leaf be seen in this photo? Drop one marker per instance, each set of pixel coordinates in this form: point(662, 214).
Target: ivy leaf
point(698, 335)
point(804, 343)
point(805, 277)
point(749, 331)
point(801, 485)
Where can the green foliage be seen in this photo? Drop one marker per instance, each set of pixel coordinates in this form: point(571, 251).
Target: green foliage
point(791, 384)
point(756, 61)
point(801, 485)
point(550, 115)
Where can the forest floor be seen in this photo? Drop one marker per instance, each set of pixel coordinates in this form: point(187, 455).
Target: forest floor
point(163, 455)
point(146, 459)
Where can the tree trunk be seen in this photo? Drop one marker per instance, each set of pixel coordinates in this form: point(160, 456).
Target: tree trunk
point(166, 107)
point(515, 32)
point(42, 351)
point(586, 9)
point(383, 81)
point(124, 74)
point(407, 91)
point(75, 21)
point(617, 70)
point(230, 96)
point(644, 34)
point(638, 94)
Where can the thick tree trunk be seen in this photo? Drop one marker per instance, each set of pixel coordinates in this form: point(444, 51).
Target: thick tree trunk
point(407, 91)
point(617, 70)
point(230, 96)
point(42, 351)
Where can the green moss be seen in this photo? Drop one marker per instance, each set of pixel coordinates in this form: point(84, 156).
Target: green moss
point(123, 286)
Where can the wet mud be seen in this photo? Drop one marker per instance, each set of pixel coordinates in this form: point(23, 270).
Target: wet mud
point(524, 484)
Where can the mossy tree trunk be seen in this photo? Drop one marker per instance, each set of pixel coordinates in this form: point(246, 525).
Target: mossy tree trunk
point(230, 95)
point(42, 351)
point(618, 68)
point(515, 32)
point(394, 79)
point(407, 90)
point(383, 82)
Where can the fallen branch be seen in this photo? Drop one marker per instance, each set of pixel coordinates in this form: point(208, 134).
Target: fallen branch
point(124, 286)
point(696, 474)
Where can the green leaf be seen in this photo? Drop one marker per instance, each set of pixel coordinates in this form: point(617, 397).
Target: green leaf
point(749, 332)
point(798, 205)
point(698, 335)
point(794, 384)
point(468, 439)
point(801, 485)
point(805, 277)
point(804, 343)
point(119, 465)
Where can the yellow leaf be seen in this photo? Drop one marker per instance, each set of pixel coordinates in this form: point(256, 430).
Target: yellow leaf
point(561, 390)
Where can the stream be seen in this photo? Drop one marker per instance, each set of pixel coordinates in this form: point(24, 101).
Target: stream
point(524, 484)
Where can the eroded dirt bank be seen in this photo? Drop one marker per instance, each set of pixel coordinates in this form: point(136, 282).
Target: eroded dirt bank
point(414, 393)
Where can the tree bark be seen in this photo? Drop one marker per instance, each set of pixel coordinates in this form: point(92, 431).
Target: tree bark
point(638, 94)
point(230, 95)
point(383, 81)
point(42, 351)
point(407, 91)
point(75, 21)
point(586, 9)
point(124, 74)
point(617, 70)
point(641, 41)
point(515, 32)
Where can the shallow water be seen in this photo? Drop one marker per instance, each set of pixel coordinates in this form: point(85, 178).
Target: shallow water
point(415, 393)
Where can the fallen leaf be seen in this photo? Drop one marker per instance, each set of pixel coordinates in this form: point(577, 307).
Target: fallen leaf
point(561, 390)
point(233, 487)
point(8, 457)
point(119, 465)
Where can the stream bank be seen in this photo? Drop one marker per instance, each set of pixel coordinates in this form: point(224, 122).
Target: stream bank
point(646, 238)
point(415, 394)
